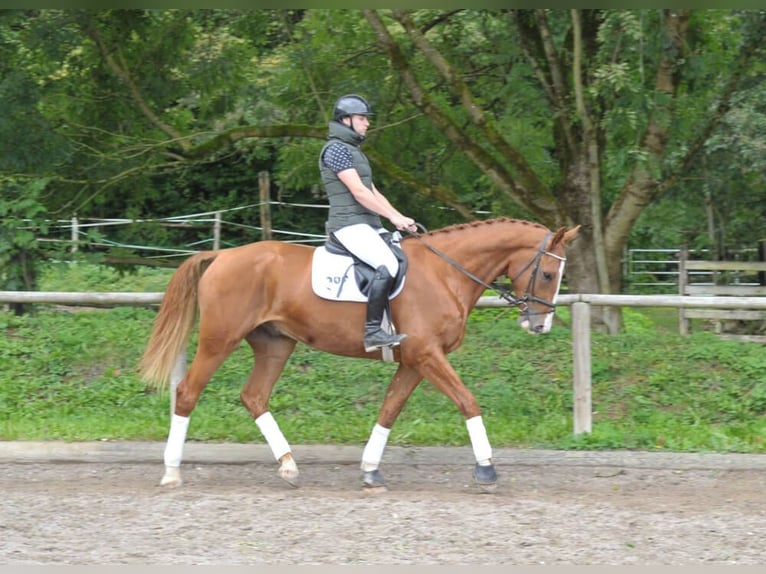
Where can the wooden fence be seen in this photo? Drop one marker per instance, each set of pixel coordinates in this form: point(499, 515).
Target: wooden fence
point(723, 279)
point(581, 332)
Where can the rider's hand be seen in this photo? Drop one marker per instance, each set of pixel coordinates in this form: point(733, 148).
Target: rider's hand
point(403, 223)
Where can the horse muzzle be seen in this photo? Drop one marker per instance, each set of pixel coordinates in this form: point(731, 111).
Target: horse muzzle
point(536, 324)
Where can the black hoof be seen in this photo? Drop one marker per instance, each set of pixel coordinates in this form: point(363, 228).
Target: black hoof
point(485, 476)
point(373, 479)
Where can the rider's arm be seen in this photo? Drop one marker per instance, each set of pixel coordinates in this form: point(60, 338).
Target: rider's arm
point(337, 158)
point(373, 200)
point(401, 221)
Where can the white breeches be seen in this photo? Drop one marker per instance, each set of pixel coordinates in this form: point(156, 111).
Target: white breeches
point(365, 242)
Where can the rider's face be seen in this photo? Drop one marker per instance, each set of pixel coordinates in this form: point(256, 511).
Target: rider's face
point(360, 124)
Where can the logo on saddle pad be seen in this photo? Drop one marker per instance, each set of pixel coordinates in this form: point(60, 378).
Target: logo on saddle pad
point(341, 277)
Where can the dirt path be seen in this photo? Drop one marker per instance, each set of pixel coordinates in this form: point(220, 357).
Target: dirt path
point(114, 513)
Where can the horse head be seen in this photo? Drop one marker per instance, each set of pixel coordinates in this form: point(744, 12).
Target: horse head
point(537, 283)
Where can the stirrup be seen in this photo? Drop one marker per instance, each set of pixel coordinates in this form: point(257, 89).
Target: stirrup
point(389, 341)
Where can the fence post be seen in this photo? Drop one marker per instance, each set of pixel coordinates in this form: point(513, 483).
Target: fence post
point(582, 369)
point(683, 282)
point(265, 196)
point(75, 235)
point(217, 231)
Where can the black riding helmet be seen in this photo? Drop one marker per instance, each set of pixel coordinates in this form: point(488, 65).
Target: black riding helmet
point(351, 104)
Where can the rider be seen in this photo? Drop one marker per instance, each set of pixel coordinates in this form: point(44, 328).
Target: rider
point(356, 207)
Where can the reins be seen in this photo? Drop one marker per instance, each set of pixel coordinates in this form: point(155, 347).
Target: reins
point(507, 295)
point(503, 293)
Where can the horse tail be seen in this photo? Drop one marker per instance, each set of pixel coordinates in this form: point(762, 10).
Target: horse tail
point(174, 321)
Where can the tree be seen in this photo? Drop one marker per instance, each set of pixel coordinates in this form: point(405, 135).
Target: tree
point(566, 117)
point(668, 73)
point(109, 105)
point(20, 252)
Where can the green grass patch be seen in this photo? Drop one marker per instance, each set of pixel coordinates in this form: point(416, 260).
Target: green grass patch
point(71, 375)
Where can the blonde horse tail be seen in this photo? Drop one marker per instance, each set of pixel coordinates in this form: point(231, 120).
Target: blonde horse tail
point(174, 321)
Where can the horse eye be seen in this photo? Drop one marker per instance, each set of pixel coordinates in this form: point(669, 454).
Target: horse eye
point(547, 276)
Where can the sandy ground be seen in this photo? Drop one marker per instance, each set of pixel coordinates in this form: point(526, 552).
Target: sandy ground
point(103, 513)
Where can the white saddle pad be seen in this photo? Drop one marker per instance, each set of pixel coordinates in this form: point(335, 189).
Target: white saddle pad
point(332, 277)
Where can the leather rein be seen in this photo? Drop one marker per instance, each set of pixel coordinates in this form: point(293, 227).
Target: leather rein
point(520, 302)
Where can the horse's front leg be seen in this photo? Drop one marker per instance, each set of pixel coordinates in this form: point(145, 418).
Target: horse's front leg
point(484, 471)
point(437, 369)
point(399, 390)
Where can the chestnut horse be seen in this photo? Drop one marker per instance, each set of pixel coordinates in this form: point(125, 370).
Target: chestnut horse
point(262, 293)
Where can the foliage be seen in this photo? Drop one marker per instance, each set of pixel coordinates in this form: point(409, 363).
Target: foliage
point(723, 191)
point(85, 277)
point(151, 113)
point(22, 216)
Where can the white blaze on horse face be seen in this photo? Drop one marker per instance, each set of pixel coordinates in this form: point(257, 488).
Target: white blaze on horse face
point(549, 317)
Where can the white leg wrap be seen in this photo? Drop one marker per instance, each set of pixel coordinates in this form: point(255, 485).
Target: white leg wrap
point(174, 448)
point(274, 437)
point(373, 451)
point(479, 441)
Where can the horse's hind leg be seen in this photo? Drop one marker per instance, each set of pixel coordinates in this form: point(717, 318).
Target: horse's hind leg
point(405, 381)
point(206, 361)
point(271, 351)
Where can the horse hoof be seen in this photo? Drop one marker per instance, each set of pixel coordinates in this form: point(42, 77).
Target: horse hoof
point(488, 488)
point(172, 477)
point(288, 471)
point(374, 489)
point(373, 482)
point(290, 478)
point(485, 477)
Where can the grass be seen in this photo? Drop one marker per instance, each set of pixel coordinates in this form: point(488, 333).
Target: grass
point(70, 374)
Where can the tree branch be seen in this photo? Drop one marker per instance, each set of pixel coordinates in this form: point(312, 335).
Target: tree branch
point(121, 71)
point(536, 190)
point(641, 184)
point(495, 170)
point(724, 105)
point(591, 147)
point(438, 192)
point(227, 138)
point(540, 48)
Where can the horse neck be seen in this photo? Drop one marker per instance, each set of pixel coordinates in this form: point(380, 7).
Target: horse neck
point(487, 249)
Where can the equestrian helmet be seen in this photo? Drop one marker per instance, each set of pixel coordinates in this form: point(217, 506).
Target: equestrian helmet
point(351, 104)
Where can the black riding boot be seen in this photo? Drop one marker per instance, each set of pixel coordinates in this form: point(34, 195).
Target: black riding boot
point(374, 336)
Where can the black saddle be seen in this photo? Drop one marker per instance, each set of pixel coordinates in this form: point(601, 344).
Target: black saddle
point(363, 272)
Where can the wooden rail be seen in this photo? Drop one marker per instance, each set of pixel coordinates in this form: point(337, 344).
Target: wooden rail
point(717, 284)
point(581, 332)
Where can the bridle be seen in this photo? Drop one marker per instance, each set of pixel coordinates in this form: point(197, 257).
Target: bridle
point(529, 294)
point(521, 302)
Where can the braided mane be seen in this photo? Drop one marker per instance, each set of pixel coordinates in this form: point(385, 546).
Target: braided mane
point(483, 222)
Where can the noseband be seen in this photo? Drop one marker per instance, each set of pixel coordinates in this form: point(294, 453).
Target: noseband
point(529, 294)
point(520, 302)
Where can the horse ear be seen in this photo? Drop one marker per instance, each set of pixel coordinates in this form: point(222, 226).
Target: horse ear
point(563, 236)
point(558, 236)
point(569, 235)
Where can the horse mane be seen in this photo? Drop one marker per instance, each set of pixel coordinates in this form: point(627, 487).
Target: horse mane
point(482, 222)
